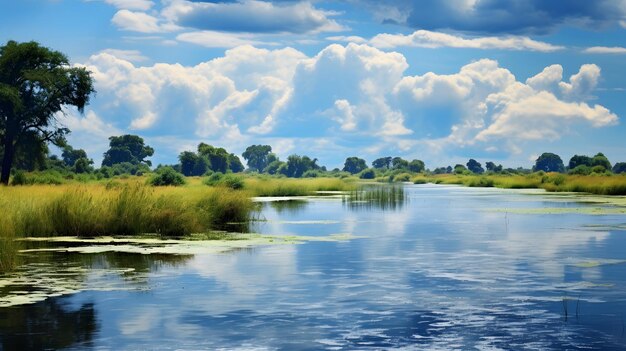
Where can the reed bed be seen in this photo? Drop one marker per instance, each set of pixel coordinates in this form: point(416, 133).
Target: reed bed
point(295, 187)
point(600, 184)
point(125, 209)
point(376, 197)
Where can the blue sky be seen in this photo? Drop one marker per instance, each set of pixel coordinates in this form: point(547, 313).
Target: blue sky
point(437, 80)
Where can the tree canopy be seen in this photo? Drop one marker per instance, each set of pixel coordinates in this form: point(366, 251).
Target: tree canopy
point(549, 162)
point(127, 148)
point(383, 162)
point(296, 166)
point(475, 166)
point(354, 165)
point(259, 157)
point(36, 83)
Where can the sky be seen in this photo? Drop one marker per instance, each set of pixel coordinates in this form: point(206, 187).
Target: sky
point(437, 80)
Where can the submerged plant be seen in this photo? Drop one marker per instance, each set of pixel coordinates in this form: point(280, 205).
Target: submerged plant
point(376, 197)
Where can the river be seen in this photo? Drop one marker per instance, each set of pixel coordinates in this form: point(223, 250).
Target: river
point(446, 268)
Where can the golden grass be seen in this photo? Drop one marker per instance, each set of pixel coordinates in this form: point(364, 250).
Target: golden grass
point(594, 184)
point(127, 208)
point(295, 187)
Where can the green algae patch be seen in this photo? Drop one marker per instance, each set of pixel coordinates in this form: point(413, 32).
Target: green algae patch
point(597, 211)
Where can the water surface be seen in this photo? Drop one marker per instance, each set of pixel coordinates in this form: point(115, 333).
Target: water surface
point(448, 268)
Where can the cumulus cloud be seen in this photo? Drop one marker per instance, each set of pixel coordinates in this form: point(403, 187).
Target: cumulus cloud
point(352, 97)
point(429, 39)
point(137, 22)
point(605, 50)
point(251, 16)
point(128, 55)
point(490, 16)
point(485, 104)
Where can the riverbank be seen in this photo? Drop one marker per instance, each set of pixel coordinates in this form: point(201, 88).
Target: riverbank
point(552, 182)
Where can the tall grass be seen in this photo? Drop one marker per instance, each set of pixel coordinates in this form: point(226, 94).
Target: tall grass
point(376, 197)
point(127, 209)
point(600, 184)
point(8, 245)
point(295, 187)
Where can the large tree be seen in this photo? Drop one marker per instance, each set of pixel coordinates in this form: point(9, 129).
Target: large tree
point(258, 157)
point(127, 148)
point(383, 162)
point(549, 162)
point(475, 166)
point(354, 165)
point(36, 83)
point(579, 160)
point(417, 166)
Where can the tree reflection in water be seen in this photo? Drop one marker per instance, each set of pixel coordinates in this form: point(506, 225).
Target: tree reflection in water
point(51, 324)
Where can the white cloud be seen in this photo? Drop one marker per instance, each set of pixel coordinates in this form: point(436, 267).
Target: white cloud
point(251, 16)
point(540, 116)
point(142, 5)
point(605, 50)
point(128, 55)
point(345, 115)
point(212, 39)
point(429, 39)
point(490, 105)
point(140, 22)
point(348, 39)
point(581, 84)
point(352, 97)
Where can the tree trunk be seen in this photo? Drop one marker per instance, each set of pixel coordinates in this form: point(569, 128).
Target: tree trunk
point(7, 159)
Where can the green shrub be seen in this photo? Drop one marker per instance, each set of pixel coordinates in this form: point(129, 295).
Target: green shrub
point(19, 178)
point(580, 170)
point(368, 173)
point(167, 176)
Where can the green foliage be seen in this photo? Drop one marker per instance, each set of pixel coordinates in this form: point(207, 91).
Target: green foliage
point(619, 167)
point(480, 182)
point(71, 155)
point(600, 160)
point(297, 165)
point(383, 162)
point(35, 84)
point(312, 174)
point(417, 166)
point(579, 160)
point(19, 178)
point(368, 173)
point(47, 177)
point(491, 167)
point(167, 176)
point(226, 180)
point(354, 165)
point(399, 163)
point(127, 149)
point(460, 169)
point(83, 165)
point(259, 157)
point(475, 166)
point(549, 162)
point(273, 167)
point(219, 160)
point(581, 169)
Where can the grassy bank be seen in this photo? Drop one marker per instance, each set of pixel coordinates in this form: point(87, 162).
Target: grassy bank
point(125, 209)
point(556, 182)
point(295, 187)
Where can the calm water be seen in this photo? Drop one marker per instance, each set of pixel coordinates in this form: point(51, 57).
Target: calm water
point(448, 269)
